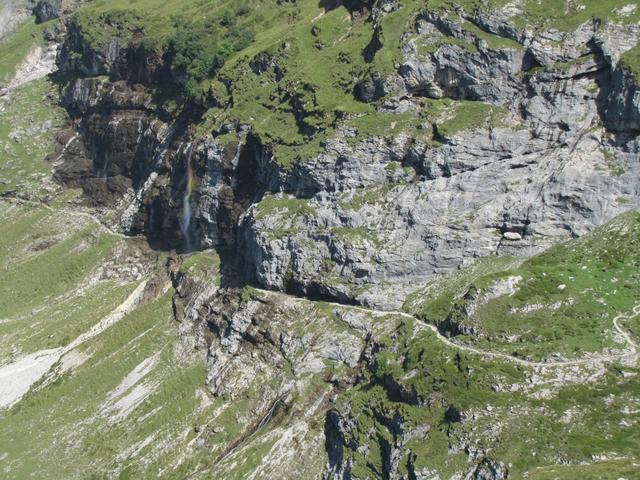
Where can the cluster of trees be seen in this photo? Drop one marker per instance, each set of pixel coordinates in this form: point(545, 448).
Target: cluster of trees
point(199, 49)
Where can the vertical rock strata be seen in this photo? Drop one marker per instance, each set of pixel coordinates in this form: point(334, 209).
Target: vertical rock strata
point(517, 139)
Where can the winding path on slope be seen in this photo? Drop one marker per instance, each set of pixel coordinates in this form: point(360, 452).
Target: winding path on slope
point(625, 333)
point(631, 344)
point(69, 211)
point(631, 352)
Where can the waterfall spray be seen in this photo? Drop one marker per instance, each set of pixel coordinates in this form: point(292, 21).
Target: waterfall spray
point(186, 204)
point(104, 171)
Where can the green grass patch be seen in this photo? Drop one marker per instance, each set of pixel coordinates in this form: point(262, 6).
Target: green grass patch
point(565, 302)
point(61, 320)
point(284, 204)
point(14, 48)
point(355, 235)
point(467, 115)
point(39, 279)
point(27, 134)
point(631, 61)
point(200, 262)
point(494, 41)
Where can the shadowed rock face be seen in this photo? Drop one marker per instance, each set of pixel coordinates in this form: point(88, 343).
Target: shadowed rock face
point(552, 155)
point(351, 5)
point(46, 10)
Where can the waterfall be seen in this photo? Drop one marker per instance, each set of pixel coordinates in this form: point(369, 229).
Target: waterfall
point(104, 171)
point(185, 224)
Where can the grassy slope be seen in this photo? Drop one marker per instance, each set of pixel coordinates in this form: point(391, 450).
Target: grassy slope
point(573, 292)
point(631, 60)
point(78, 432)
point(44, 258)
point(32, 118)
point(30, 114)
point(16, 47)
point(530, 435)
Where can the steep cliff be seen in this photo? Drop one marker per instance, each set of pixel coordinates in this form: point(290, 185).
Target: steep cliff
point(320, 239)
point(481, 135)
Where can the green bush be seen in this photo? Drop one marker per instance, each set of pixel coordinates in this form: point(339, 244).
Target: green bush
point(197, 50)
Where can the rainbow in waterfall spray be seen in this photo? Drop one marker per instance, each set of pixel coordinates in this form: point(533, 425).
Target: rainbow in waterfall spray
point(186, 204)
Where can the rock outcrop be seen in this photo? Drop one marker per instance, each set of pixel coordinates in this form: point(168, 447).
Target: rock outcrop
point(46, 10)
point(564, 165)
point(530, 140)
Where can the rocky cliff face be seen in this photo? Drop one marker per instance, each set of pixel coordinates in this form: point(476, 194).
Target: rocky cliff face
point(524, 139)
point(539, 168)
point(548, 153)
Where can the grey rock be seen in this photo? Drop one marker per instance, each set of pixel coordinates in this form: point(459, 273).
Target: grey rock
point(475, 72)
point(556, 157)
point(491, 470)
point(46, 10)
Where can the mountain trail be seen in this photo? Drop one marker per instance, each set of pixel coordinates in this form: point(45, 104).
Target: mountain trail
point(630, 352)
point(71, 212)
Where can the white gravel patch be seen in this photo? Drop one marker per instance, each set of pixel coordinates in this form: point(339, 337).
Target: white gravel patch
point(114, 317)
point(127, 404)
point(137, 374)
point(73, 360)
point(126, 397)
point(16, 378)
point(39, 63)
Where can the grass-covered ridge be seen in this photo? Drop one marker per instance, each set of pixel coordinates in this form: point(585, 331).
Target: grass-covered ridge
point(563, 301)
point(292, 70)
